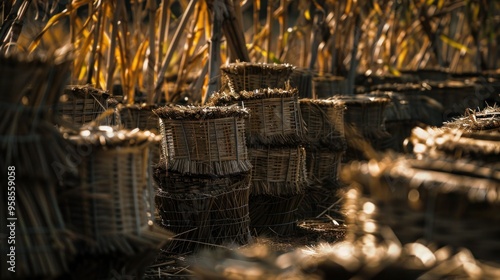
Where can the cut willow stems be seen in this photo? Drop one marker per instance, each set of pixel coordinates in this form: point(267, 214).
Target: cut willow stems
point(172, 47)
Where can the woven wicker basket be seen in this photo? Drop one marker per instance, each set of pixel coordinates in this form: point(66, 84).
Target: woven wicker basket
point(204, 140)
point(250, 76)
point(203, 210)
point(278, 171)
point(328, 86)
point(110, 203)
point(444, 202)
point(274, 215)
point(324, 119)
point(323, 165)
point(83, 104)
point(275, 117)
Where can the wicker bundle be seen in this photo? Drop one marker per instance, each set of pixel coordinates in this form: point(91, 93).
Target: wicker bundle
point(275, 215)
point(365, 112)
point(203, 210)
point(327, 86)
point(323, 166)
point(108, 204)
point(275, 117)
point(301, 79)
point(142, 117)
point(278, 171)
point(324, 119)
point(138, 116)
point(43, 244)
point(82, 104)
point(250, 76)
point(444, 202)
point(204, 140)
point(30, 88)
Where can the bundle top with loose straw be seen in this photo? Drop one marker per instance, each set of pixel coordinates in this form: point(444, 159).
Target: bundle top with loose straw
point(106, 136)
point(488, 119)
point(222, 98)
point(240, 68)
point(179, 112)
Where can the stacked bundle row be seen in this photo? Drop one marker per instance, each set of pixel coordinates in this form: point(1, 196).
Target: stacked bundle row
point(275, 134)
point(204, 179)
point(325, 147)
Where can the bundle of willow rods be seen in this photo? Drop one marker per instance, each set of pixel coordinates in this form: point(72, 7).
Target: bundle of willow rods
point(327, 86)
point(109, 202)
point(204, 140)
point(444, 201)
point(30, 88)
point(324, 119)
point(275, 117)
point(203, 210)
point(82, 104)
point(273, 214)
point(43, 244)
point(278, 171)
point(250, 76)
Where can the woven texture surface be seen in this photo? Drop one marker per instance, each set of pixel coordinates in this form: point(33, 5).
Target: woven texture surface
point(214, 146)
point(323, 165)
point(109, 206)
point(250, 76)
point(82, 104)
point(278, 171)
point(203, 210)
point(324, 119)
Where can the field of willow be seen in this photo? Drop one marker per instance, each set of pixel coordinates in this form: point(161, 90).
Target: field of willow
point(239, 139)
